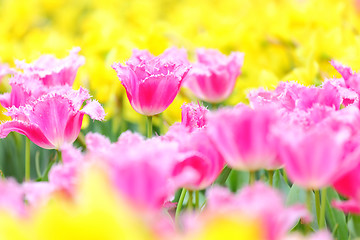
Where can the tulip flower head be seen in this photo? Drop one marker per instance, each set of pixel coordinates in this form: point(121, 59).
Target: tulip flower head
point(193, 116)
point(243, 136)
point(152, 83)
point(315, 158)
point(213, 77)
point(52, 119)
point(52, 71)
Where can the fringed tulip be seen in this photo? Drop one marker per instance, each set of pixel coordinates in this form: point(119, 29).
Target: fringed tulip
point(244, 138)
point(193, 116)
point(24, 89)
point(198, 162)
point(290, 95)
point(52, 71)
point(152, 83)
point(212, 78)
point(315, 158)
point(53, 119)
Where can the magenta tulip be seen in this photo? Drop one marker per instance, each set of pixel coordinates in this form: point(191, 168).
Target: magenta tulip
point(151, 83)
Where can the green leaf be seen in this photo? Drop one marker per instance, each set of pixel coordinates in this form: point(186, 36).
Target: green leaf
point(354, 225)
point(298, 195)
point(279, 183)
point(237, 180)
point(334, 218)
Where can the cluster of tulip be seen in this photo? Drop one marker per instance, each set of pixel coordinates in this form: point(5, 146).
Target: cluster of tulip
point(222, 172)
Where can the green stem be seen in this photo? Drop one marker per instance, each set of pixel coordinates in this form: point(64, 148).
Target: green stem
point(27, 159)
point(223, 176)
point(161, 124)
point(81, 140)
point(37, 164)
point(121, 113)
point(271, 175)
point(252, 177)
point(59, 156)
point(46, 173)
point(197, 199)
point(149, 127)
point(308, 205)
point(190, 201)
point(317, 205)
point(322, 209)
point(180, 204)
point(308, 200)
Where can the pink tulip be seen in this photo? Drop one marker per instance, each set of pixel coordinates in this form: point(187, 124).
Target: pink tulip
point(290, 96)
point(41, 77)
point(348, 85)
point(100, 147)
point(152, 83)
point(53, 119)
point(24, 89)
point(244, 138)
point(260, 201)
point(198, 162)
point(193, 116)
point(213, 77)
point(140, 170)
point(52, 71)
point(315, 158)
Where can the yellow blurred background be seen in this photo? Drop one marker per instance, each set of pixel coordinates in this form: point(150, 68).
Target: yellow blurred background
point(281, 39)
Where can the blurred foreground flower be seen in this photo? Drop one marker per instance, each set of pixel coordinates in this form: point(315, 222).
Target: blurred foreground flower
point(96, 213)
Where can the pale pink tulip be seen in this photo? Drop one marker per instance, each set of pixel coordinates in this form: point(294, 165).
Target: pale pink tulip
point(315, 158)
point(142, 172)
point(212, 78)
point(53, 119)
point(152, 83)
point(290, 96)
point(53, 71)
point(244, 137)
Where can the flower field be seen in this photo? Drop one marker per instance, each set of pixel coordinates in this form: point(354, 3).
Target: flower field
point(180, 119)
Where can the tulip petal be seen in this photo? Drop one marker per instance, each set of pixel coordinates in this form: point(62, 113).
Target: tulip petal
point(32, 131)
